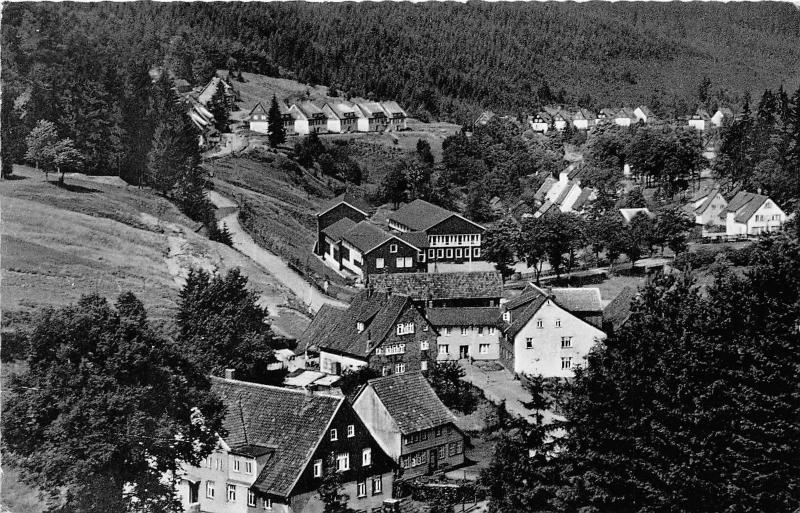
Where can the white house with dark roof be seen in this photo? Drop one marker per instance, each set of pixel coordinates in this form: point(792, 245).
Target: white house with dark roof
point(550, 332)
point(540, 122)
point(443, 290)
point(342, 117)
point(625, 117)
point(258, 117)
point(279, 444)
point(752, 214)
point(700, 120)
point(412, 425)
point(643, 114)
point(372, 117)
point(396, 115)
point(466, 332)
point(721, 116)
point(708, 207)
point(308, 118)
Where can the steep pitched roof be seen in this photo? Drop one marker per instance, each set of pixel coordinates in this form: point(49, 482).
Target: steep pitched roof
point(366, 236)
point(351, 199)
point(419, 215)
point(339, 228)
point(411, 402)
point(629, 213)
point(337, 329)
point(578, 299)
point(371, 109)
point(309, 109)
point(287, 423)
point(341, 110)
point(522, 318)
point(584, 196)
point(542, 191)
point(416, 239)
point(617, 312)
point(466, 316)
point(258, 109)
point(709, 199)
point(745, 204)
point(393, 109)
point(422, 286)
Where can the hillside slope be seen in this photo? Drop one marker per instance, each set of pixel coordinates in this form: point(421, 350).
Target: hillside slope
point(89, 237)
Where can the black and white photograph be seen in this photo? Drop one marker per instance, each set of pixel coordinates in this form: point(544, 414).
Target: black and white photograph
point(400, 256)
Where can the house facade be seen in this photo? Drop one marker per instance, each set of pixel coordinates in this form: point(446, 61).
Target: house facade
point(411, 424)
point(540, 122)
point(544, 338)
point(383, 331)
point(466, 332)
point(700, 120)
point(752, 214)
point(708, 208)
point(372, 117)
point(280, 444)
point(259, 119)
point(450, 237)
point(345, 206)
point(395, 114)
point(342, 118)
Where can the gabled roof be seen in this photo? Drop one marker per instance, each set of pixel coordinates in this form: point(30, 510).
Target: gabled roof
point(573, 300)
point(626, 112)
point(564, 192)
point(393, 108)
point(258, 109)
point(309, 109)
point(645, 110)
point(419, 215)
point(617, 312)
point(576, 169)
point(351, 199)
point(544, 116)
point(411, 402)
point(341, 110)
point(709, 199)
point(336, 329)
point(424, 286)
point(339, 228)
point(464, 316)
point(365, 236)
point(542, 191)
point(629, 213)
point(586, 193)
point(522, 318)
point(287, 423)
point(609, 113)
point(371, 109)
point(416, 239)
point(745, 204)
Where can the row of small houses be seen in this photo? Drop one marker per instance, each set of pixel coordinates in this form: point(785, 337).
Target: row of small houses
point(557, 118)
point(744, 214)
point(301, 118)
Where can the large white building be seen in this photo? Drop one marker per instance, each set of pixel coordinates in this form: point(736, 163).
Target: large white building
point(752, 214)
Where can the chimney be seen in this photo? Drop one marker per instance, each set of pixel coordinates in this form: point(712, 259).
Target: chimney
point(758, 190)
point(229, 373)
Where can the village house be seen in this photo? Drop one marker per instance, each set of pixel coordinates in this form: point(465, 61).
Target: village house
point(365, 249)
point(561, 119)
point(752, 214)
point(396, 115)
point(444, 290)
point(466, 332)
point(414, 427)
point(386, 332)
point(279, 444)
point(618, 311)
point(258, 119)
point(483, 119)
point(540, 122)
point(625, 117)
point(629, 213)
point(345, 206)
point(721, 116)
point(450, 237)
point(566, 193)
point(707, 207)
point(549, 333)
point(700, 120)
point(643, 114)
point(583, 119)
point(231, 94)
point(606, 116)
point(372, 117)
point(342, 118)
point(308, 118)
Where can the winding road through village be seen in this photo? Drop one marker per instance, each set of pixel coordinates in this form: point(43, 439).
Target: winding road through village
point(272, 263)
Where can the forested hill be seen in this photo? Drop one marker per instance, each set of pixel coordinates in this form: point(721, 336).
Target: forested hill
point(452, 59)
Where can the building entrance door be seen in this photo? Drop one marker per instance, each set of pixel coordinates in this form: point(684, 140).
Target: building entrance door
point(463, 352)
point(433, 461)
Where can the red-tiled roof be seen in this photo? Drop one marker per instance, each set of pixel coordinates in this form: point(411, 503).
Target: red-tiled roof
point(288, 423)
point(411, 402)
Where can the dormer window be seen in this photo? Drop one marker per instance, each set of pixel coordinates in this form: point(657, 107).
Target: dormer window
point(507, 316)
point(360, 326)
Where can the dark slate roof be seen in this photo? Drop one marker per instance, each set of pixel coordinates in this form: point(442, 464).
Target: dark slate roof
point(411, 402)
point(257, 109)
point(745, 204)
point(366, 236)
point(339, 228)
point(422, 286)
point(708, 201)
point(618, 310)
point(572, 299)
point(349, 198)
point(576, 169)
point(290, 423)
point(416, 239)
point(419, 215)
point(466, 316)
point(336, 329)
point(522, 318)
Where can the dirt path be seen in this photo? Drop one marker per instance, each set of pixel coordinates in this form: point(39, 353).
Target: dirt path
point(245, 244)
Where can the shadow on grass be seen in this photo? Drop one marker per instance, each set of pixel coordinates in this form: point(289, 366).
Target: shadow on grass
point(72, 187)
point(15, 177)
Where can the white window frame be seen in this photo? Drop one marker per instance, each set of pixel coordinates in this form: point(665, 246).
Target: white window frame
point(399, 262)
point(392, 248)
point(444, 349)
point(447, 330)
point(248, 467)
point(230, 492)
point(424, 345)
point(210, 490)
point(421, 256)
point(251, 498)
point(476, 252)
point(351, 430)
point(366, 456)
point(409, 262)
point(423, 365)
point(540, 323)
point(483, 348)
point(464, 331)
point(449, 252)
point(528, 342)
point(566, 362)
point(377, 489)
point(380, 263)
point(440, 253)
point(431, 253)
point(400, 368)
point(558, 323)
point(458, 252)
point(491, 330)
point(334, 435)
point(236, 464)
point(566, 342)
point(342, 461)
point(361, 489)
point(267, 503)
point(317, 468)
